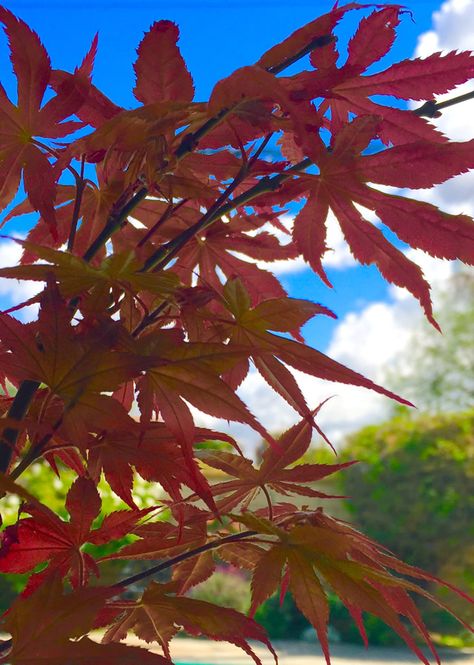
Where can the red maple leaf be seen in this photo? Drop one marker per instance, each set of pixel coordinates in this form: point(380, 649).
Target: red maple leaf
point(45, 537)
point(419, 224)
point(347, 91)
point(21, 124)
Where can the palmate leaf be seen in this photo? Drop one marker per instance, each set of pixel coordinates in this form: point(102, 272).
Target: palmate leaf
point(273, 472)
point(251, 327)
point(150, 449)
point(71, 362)
point(187, 531)
point(419, 224)
point(20, 124)
point(45, 537)
point(119, 273)
point(347, 91)
point(54, 622)
point(158, 615)
point(317, 549)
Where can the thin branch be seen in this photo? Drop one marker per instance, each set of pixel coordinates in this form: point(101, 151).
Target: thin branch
point(162, 256)
point(317, 42)
point(80, 186)
point(260, 149)
point(114, 222)
point(431, 108)
point(17, 411)
point(37, 450)
point(149, 572)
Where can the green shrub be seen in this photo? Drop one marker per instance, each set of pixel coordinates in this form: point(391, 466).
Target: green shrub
point(225, 588)
point(412, 491)
point(282, 622)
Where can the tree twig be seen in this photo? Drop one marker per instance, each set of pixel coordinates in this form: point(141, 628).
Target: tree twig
point(162, 256)
point(164, 565)
point(432, 108)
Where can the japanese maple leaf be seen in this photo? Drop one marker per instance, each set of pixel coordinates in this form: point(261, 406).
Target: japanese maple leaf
point(74, 364)
point(45, 537)
point(150, 449)
point(159, 540)
point(190, 371)
point(347, 91)
point(343, 181)
point(118, 273)
point(214, 252)
point(358, 570)
point(55, 621)
point(158, 615)
point(271, 352)
point(20, 155)
point(273, 473)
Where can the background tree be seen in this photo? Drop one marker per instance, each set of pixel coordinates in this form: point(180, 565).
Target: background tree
point(412, 490)
point(439, 374)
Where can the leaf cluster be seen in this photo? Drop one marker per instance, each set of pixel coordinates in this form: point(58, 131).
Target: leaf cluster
point(153, 306)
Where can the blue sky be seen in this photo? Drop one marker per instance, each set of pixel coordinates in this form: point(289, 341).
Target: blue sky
point(216, 38)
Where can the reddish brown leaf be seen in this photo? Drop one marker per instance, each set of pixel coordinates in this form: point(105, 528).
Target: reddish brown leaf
point(160, 69)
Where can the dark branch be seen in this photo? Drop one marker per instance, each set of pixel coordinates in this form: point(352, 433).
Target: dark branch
point(431, 109)
point(164, 565)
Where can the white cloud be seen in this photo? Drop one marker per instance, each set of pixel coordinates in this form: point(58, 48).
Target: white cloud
point(14, 291)
point(338, 255)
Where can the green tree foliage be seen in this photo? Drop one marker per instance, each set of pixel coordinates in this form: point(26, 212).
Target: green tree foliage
point(413, 490)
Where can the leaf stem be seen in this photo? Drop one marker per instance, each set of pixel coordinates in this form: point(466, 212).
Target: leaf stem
point(317, 42)
point(114, 222)
point(164, 565)
point(80, 186)
point(17, 411)
point(269, 502)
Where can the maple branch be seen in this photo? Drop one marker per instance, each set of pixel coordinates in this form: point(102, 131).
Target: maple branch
point(36, 451)
point(170, 210)
point(164, 565)
point(431, 108)
point(80, 186)
point(114, 222)
point(317, 42)
point(162, 256)
point(17, 411)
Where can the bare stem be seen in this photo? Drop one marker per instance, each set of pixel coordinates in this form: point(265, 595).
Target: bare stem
point(431, 108)
point(154, 570)
point(80, 186)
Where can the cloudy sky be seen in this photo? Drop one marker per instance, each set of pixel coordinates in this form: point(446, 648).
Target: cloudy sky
point(376, 321)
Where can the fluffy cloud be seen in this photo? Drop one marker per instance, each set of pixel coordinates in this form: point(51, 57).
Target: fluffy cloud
point(13, 291)
point(338, 255)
